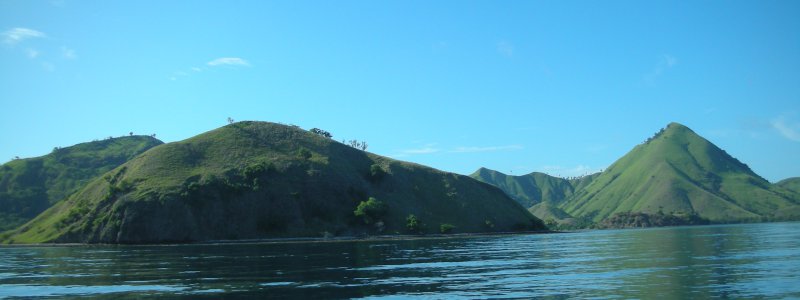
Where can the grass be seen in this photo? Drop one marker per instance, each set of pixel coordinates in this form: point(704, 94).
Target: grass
point(29, 186)
point(678, 171)
point(265, 180)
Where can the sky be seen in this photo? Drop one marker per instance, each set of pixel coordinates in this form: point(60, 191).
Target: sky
point(561, 87)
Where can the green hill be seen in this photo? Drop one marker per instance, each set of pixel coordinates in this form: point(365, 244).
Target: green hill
point(29, 186)
point(532, 188)
point(679, 173)
point(254, 180)
point(792, 184)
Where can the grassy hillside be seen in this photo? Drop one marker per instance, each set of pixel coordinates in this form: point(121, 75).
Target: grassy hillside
point(532, 188)
point(29, 186)
point(791, 184)
point(678, 172)
point(257, 180)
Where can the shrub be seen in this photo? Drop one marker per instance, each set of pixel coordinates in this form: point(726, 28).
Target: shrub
point(446, 228)
point(412, 223)
point(304, 153)
point(370, 210)
point(376, 173)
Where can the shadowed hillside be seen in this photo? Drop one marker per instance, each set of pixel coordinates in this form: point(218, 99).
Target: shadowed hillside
point(29, 186)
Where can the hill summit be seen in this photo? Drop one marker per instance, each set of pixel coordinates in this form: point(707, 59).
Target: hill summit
point(675, 176)
point(679, 172)
point(251, 180)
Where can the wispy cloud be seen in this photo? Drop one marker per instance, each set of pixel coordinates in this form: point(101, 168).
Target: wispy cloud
point(561, 171)
point(485, 149)
point(428, 149)
point(219, 62)
point(32, 53)
point(505, 48)
point(788, 129)
point(664, 63)
point(228, 61)
point(68, 53)
point(19, 34)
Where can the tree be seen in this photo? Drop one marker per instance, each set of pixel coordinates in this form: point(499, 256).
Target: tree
point(358, 144)
point(230, 120)
point(371, 210)
point(321, 132)
point(130, 133)
point(412, 223)
point(153, 135)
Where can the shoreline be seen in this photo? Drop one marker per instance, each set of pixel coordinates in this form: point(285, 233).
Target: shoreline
point(299, 240)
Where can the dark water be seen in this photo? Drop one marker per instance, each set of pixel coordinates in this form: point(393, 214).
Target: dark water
point(734, 261)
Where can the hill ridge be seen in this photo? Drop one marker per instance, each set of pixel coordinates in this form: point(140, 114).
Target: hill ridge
point(258, 180)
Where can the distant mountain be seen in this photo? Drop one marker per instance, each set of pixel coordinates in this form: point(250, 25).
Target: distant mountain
point(253, 180)
point(29, 186)
point(677, 172)
point(532, 188)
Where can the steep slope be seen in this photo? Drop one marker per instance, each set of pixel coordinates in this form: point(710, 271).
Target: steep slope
point(29, 186)
point(532, 188)
point(678, 172)
point(256, 180)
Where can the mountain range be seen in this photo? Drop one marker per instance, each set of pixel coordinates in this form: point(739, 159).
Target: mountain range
point(255, 180)
point(675, 173)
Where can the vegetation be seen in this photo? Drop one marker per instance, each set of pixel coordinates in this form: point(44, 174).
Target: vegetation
point(412, 224)
point(676, 170)
point(321, 132)
point(251, 180)
point(532, 188)
point(446, 228)
point(376, 172)
point(29, 186)
point(371, 210)
point(683, 172)
point(639, 219)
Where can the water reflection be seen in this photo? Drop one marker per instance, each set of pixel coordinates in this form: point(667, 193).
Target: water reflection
point(738, 261)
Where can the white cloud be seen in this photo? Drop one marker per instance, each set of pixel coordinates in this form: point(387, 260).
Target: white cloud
point(664, 63)
point(196, 69)
point(16, 35)
point(228, 61)
point(485, 149)
point(789, 130)
point(505, 48)
point(424, 150)
point(68, 53)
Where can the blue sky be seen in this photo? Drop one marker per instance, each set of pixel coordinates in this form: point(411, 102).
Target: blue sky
point(562, 87)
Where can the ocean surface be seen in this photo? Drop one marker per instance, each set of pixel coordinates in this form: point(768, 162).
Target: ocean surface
point(727, 261)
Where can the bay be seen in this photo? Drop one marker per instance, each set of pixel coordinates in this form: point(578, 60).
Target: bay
point(728, 261)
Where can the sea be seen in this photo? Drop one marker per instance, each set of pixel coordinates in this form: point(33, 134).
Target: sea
point(718, 261)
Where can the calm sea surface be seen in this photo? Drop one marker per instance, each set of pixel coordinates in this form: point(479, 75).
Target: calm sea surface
point(733, 261)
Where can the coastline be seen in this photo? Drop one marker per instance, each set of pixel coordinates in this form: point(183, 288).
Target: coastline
point(299, 240)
